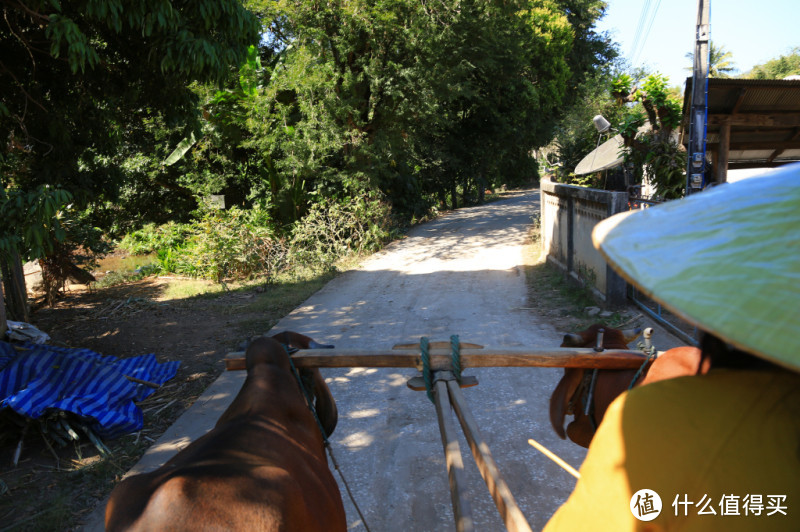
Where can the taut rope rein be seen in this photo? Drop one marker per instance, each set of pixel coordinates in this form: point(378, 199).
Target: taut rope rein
point(310, 403)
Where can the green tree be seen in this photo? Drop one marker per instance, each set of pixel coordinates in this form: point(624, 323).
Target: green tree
point(79, 78)
point(415, 99)
point(628, 104)
point(655, 151)
point(508, 90)
point(592, 53)
point(778, 68)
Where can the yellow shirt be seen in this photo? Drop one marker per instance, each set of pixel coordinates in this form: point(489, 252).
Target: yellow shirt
point(727, 442)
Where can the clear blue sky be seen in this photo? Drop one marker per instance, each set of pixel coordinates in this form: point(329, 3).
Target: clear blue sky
point(753, 31)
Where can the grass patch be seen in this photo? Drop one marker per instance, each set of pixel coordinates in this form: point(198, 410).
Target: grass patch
point(560, 300)
point(285, 293)
point(189, 288)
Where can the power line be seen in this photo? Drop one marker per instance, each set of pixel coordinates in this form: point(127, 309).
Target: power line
point(639, 26)
point(647, 33)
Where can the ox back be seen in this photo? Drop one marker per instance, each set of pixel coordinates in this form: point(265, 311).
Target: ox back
point(263, 466)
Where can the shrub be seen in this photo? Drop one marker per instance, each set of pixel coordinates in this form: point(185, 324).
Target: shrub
point(332, 229)
point(231, 244)
point(152, 238)
point(238, 244)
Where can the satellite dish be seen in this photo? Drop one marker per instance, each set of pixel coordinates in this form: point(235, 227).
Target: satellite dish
point(605, 156)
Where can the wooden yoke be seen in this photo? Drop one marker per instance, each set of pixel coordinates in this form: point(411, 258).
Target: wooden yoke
point(470, 358)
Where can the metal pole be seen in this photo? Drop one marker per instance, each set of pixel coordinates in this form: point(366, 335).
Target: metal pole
point(698, 118)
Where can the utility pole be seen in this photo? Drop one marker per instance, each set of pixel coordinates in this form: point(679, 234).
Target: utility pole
point(698, 117)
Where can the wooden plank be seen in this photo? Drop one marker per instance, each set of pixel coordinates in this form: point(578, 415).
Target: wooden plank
point(452, 454)
point(736, 144)
point(739, 101)
point(794, 136)
point(776, 119)
point(470, 358)
point(503, 498)
point(438, 345)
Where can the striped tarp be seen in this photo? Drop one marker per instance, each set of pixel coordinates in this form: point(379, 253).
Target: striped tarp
point(44, 377)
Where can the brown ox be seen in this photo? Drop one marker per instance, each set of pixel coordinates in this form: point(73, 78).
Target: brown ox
point(573, 390)
point(262, 467)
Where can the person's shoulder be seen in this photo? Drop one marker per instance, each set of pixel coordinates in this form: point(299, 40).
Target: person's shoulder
point(718, 385)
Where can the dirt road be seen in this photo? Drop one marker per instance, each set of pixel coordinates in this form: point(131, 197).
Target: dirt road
point(460, 275)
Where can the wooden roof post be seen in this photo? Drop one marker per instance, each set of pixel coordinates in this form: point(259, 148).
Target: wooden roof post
point(723, 150)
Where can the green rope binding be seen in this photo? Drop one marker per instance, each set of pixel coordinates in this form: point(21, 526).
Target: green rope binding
point(427, 376)
point(455, 345)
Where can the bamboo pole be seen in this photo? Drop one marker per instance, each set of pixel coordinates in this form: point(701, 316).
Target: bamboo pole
point(470, 358)
point(452, 454)
point(149, 384)
point(503, 498)
point(554, 457)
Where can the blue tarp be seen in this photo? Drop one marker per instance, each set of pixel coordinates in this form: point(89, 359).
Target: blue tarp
point(44, 377)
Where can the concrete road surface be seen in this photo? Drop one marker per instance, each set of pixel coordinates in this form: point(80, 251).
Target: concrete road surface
point(460, 274)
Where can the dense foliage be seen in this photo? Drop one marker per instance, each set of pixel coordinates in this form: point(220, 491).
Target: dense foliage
point(389, 108)
point(778, 68)
point(79, 81)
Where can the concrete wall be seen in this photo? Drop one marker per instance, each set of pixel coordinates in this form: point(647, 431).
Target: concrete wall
point(569, 213)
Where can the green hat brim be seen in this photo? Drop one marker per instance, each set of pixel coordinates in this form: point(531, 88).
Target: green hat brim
point(726, 260)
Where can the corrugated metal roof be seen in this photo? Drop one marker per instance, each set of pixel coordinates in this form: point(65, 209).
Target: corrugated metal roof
point(764, 117)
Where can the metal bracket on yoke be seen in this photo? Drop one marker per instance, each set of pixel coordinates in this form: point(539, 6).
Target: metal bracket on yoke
point(647, 346)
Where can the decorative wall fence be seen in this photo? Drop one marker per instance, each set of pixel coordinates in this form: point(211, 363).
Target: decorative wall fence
point(569, 213)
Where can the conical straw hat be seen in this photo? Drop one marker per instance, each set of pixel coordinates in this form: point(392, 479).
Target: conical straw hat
point(726, 259)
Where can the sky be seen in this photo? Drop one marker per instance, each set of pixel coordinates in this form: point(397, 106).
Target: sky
point(753, 31)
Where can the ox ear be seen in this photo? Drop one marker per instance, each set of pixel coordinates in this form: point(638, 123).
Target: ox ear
point(292, 340)
point(299, 341)
point(324, 404)
point(631, 334)
point(572, 340)
point(316, 345)
point(559, 401)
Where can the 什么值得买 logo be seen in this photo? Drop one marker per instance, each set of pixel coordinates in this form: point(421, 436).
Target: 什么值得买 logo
point(645, 505)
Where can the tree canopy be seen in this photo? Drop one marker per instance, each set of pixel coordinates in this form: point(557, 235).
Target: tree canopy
point(778, 68)
point(80, 78)
point(413, 99)
point(139, 112)
point(629, 103)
